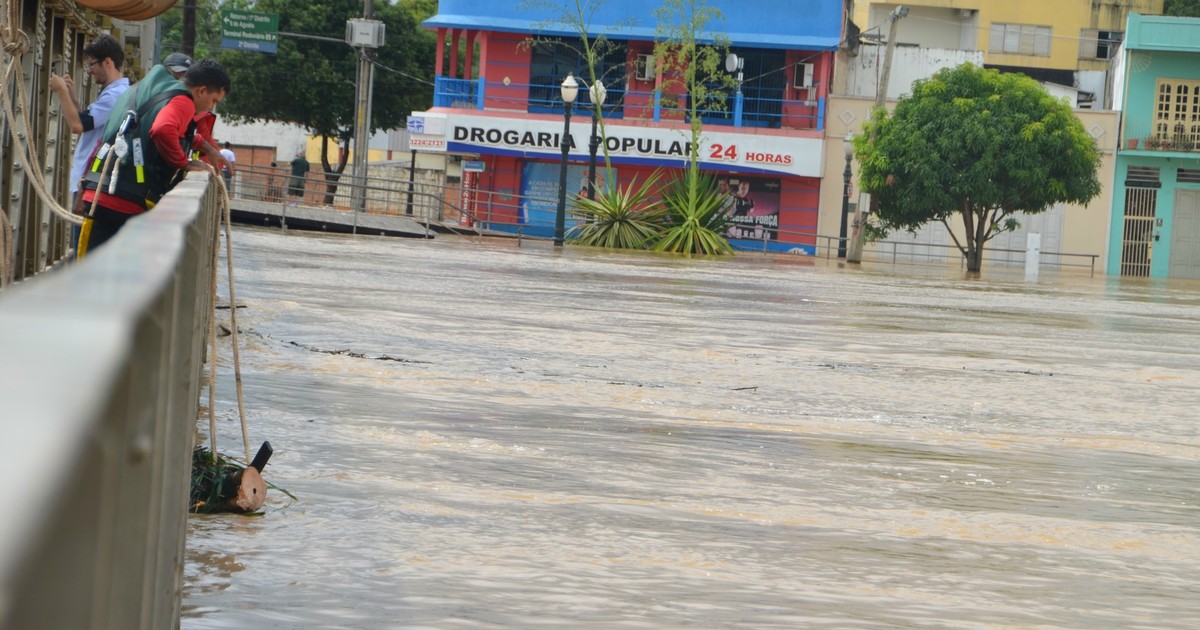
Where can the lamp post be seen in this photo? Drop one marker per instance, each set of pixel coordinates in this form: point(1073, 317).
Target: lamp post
point(597, 92)
point(848, 147)
point(570, 89)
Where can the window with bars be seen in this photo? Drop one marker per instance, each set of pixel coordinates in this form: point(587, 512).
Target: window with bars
point(1177, 114)
point(550, 62)
point(1020, 39)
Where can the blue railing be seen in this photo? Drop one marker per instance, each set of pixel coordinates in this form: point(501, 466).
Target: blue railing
point(750, 107)
point(462, 93)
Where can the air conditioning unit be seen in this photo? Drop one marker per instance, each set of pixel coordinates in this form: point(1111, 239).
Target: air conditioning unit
point(644, 67)
point(804, 75)
point(365, 33)
point(966, 14)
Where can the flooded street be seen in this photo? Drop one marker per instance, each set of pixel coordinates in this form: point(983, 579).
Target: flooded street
point(484, 436)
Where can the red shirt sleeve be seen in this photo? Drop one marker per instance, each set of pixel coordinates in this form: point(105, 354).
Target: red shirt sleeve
point(168, 129)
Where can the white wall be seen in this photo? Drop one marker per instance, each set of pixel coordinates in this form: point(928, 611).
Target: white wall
point(929, 27)
point(286, 138)
point(908, 65)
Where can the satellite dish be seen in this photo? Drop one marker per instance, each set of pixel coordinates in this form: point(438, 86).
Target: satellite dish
point(731, 62)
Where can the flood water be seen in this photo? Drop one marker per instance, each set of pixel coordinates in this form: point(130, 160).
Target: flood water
point(481, 435)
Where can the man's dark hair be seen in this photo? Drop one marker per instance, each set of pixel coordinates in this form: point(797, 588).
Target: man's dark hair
point(207, 73)
point(227, 145)
point(106, 47)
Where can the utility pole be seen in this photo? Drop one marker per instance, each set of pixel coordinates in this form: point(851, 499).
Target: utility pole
point(188, 29)
point(365, 36)
point(854, 252)
point(886, 73)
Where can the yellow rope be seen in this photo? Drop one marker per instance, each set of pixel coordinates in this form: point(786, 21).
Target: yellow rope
point(85, 234)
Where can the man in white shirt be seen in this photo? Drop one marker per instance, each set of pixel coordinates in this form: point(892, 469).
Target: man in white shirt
point(230, 158)
point(104, 59)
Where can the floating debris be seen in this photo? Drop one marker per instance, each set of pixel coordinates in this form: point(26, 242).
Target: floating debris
point(222, 485)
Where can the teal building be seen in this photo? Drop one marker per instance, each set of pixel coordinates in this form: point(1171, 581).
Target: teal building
point(1155, 220)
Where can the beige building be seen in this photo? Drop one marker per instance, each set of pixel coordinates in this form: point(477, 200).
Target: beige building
point(1049, 34)
point(1066, 44)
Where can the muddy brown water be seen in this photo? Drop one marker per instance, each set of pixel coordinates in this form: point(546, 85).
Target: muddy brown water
point(481, 435)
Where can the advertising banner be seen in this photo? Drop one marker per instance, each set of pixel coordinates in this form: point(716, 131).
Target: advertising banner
point(651, 146)
point(753, 204)
point(539, 192)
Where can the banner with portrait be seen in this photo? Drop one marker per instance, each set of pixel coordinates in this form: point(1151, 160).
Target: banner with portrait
point(752, 203)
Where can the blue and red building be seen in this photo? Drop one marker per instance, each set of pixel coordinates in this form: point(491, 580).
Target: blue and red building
point(497, 107)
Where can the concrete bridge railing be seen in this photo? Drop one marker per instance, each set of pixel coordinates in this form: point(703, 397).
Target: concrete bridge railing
point(100, 370)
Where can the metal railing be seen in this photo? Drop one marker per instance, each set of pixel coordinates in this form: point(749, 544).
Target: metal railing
point(750, 107)
point(1162, 136)
point(385, 195)
point(491, 211)
point(99, 385)
point(495, 211)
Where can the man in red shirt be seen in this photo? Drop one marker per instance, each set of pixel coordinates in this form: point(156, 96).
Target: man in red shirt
point(171, 131)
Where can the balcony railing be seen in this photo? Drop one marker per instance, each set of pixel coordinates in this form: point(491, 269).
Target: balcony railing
point(1169, 137)
point(751, 107)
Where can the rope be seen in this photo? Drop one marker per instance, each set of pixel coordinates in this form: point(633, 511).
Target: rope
point(227, 214)
point(7, 253)
point(224, 217)
point(15, 43)
point(212, 343)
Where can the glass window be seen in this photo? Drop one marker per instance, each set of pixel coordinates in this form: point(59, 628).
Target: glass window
point(1098, 44)
point(551, 61)
point(1020, 39)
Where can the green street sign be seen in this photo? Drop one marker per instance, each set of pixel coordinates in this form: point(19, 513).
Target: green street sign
point(246, 30)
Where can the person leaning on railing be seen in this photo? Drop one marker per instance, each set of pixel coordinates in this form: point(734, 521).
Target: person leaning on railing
point(165, 133)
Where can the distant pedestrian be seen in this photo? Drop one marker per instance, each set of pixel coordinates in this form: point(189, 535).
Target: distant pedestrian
point(274, 193)
point(230, 158)
point(299, 176)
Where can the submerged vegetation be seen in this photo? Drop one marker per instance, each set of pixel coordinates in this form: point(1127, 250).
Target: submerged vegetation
point(689, 219)
point(220, 484)
point(620, 217)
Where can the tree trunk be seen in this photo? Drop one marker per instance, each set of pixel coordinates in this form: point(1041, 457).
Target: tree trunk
point(974, 257)
point(333, 175)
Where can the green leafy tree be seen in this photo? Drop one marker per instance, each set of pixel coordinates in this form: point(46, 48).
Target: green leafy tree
point(1182, 8)
point(692, 65)
point(311, 82)
point(979, 144)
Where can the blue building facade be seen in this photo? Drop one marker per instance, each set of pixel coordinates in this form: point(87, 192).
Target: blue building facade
point(498, 107)
point(1155, 221)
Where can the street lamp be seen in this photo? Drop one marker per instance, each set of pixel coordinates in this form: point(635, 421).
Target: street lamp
point(598, 92)
point(570, 90)
point(848, 147)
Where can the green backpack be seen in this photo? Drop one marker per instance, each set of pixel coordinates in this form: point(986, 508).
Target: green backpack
point(140, 174)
